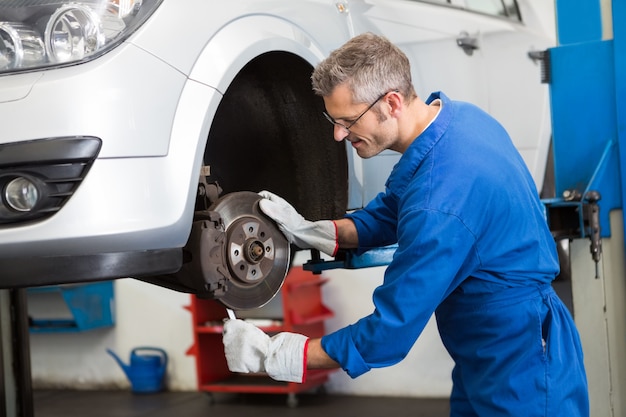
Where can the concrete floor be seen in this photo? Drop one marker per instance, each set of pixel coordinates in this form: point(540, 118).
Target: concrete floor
point(63, 403)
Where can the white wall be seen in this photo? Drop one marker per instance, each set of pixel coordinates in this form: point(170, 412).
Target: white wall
point(150, 315)
point(425, 372)
point(146, 315)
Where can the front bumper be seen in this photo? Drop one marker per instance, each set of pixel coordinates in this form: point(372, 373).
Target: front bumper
point(36, 271)
point(56, 165)
point(128, 218)
point(132, 212)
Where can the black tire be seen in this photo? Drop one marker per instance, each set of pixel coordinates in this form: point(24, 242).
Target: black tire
point(269, 134)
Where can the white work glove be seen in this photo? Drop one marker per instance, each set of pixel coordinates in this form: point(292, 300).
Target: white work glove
point(249, 349)
point(320, 235)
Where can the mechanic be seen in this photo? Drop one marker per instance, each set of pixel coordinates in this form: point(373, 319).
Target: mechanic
point(473, 248)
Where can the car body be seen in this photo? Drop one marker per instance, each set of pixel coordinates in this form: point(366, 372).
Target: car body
point(194, 92)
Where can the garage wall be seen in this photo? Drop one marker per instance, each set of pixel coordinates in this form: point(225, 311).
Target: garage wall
point(425, 372)
point(147, 315)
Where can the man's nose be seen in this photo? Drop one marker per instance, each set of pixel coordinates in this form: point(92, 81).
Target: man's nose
point(340, 133)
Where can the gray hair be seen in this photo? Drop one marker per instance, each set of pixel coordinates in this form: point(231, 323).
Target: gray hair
point(369, 65)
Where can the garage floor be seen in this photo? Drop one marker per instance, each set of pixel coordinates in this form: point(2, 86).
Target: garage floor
point(193, 404)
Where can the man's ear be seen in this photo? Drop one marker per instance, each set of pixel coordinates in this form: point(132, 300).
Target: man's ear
point(396, 103)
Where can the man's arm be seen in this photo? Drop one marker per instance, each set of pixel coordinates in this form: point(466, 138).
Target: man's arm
point(347, 236)
point(317, 358)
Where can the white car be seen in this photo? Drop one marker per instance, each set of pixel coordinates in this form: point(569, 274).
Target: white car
point(120, 119)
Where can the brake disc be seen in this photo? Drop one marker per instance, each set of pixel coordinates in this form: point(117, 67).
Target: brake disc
point(255, 252)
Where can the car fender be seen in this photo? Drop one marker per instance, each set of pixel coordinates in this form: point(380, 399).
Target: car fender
point(242, 40)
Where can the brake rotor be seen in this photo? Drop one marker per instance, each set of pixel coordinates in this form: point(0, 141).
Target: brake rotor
point(256, 253)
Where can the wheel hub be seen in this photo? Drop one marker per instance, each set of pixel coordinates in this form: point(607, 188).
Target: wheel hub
point(250, 250)
point(235, 254)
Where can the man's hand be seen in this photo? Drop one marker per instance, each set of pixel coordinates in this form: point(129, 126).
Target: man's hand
point(320, 235)
point(245, 346)
point(248, 349)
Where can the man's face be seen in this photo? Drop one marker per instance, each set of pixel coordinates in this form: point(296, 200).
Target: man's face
point(368, 134)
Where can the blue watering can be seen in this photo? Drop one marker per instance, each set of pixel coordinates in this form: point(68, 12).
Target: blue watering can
point(146, 370)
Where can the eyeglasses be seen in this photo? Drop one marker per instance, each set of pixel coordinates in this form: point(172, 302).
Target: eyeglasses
point(334, 122)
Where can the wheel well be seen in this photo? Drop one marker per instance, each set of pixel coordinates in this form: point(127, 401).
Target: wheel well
point(268, 134)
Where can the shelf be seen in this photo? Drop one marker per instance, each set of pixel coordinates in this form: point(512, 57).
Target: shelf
point(219, 328)
point(71, 308)
point(306, 282)
point(321, 314)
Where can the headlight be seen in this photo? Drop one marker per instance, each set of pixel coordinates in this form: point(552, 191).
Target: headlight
point(42, 33)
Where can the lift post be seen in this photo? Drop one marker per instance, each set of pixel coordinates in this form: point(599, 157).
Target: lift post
point(588, 104)
point(588, 100)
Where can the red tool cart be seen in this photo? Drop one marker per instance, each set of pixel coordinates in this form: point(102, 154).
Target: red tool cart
point(296, 308)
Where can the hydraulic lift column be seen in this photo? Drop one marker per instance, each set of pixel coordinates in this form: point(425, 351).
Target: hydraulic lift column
point(16, 395)
point(587, 77)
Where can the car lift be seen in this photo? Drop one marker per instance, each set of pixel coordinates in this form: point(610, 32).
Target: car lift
point(587, 79)
point(16, 395)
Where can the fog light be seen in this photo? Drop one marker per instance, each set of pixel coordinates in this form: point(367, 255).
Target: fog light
point(73, 32)
point(21, 194)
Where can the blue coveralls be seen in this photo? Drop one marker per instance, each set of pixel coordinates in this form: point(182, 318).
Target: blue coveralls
point(473, 247)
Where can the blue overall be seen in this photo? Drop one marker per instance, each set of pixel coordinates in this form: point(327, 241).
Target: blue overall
point(473, 248)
